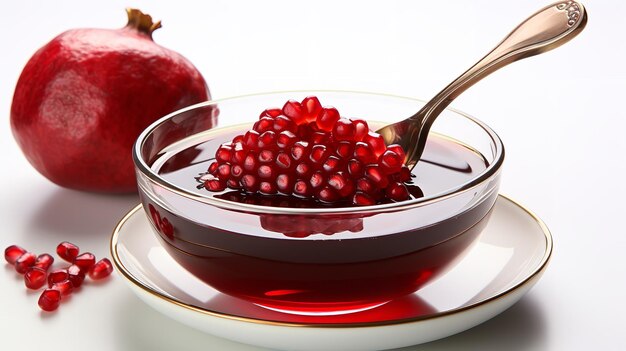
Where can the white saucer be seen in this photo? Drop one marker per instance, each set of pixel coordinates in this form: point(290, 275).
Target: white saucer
point(509, 258)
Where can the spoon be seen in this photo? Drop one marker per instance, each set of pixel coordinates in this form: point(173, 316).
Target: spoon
point(547, 29)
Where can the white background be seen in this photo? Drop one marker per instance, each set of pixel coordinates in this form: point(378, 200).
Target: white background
point(561, 117)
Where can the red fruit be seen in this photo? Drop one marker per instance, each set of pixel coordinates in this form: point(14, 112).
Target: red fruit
point(24, 262)
point(397, 191)
point(83, 98)
point(65, 287)
point(327, 119)
point(50, 300)
point(44, 261)
point(75, 275)
point(12, 253)
point(309, 151)
point(85, 261)
point(59, 275)
point(35, 278)
point(101, 269)
point(67, 251)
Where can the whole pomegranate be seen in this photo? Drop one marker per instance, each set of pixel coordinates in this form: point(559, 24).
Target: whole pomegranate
point(83, 98)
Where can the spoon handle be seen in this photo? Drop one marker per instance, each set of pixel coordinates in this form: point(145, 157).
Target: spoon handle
point(545, 30)
point(549, 28)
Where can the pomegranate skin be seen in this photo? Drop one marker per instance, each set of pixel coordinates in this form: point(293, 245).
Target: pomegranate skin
point(83, 98)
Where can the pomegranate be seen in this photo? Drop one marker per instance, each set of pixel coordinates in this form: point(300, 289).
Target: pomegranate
point(310, 151)
point(83, 98)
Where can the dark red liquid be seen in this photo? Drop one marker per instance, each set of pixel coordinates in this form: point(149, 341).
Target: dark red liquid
point(321, 263)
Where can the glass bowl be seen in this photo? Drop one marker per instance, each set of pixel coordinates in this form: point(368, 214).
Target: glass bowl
point(285, 255)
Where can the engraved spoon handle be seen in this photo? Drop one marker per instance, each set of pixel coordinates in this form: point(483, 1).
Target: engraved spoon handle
point(547, 29)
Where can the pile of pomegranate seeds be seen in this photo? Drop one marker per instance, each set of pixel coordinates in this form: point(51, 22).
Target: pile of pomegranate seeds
point(310, 151)
point(61, 282)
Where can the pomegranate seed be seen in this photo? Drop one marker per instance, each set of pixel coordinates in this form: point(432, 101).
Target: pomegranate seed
point(390, 162)
point(301, 189)
point(49, 300)
point(294, 111)
point(318, 155)
point(238, 140)
point(332, 164)
point(58, 275)
point(344, 129)
point(376, 175)
point(283, 161)
point(271, 112)
point(24, 262)
point(232, 183)
point(44, 261)
point(35, 278)
point(285, 139)
point(85, 261)
point(67, 251)
point(64, 287)
point(376, 143)
point(319, 138)
point(300, 150)
point(355, 168)
point(342, 184)
point(327, 119)
point(327, 194)
point(239, 154)
point(398, 150)
point(12, 253)
point(251, 140)
point(360, 129)
point(268, 188)
point(267, 140)
point(363, 199)
point(364, 185)
point(250, 163)
point(312, 107)
point(397, 192)
point(284, 183)
point(224, 153)
point(264, 124)
point(267, 172)
point(101, 269)
point(75, 275)
point(236, 171)
point(317, 180)
point(223, 171)
point(303, 170)
point(284, 124)
point(212, 169)
point(266, 156)
point(345, 149)
point(215, 184)
point(363, 153)
point(249, 183)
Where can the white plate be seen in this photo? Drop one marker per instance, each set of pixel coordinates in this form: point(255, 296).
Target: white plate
point(509, 258)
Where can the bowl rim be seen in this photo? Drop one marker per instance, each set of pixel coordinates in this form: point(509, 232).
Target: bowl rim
point(490, 172)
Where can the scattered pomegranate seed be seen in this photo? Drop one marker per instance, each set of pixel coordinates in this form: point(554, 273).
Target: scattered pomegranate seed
point(24, 262)
point(12, 253)
point(58, 275)
point(50, 300)
point(75, 275)
point(101, 269)
point(84, 261)
point(65, 287)
point(44, 261)
point(35, 278)
point(308, 150)
point(67, 251)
